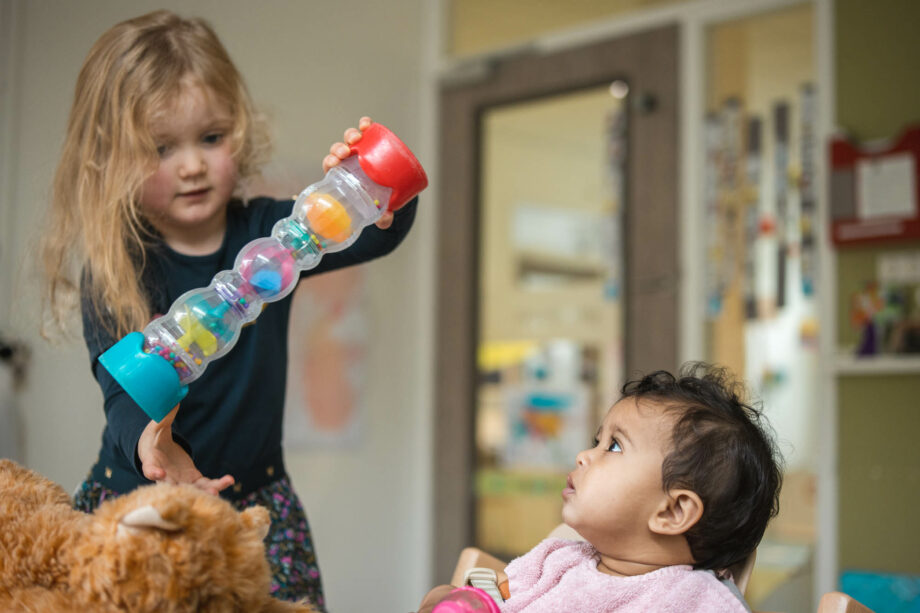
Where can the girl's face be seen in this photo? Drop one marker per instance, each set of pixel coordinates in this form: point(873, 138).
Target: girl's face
point(188, 193)
point(616, 485)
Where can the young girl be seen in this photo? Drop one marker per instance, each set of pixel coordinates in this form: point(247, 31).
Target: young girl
point(679, 486)
point(161, 132)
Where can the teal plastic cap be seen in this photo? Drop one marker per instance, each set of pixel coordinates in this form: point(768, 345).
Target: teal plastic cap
point(148, 378)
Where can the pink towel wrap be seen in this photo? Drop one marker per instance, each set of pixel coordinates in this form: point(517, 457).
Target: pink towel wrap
point(560, 576)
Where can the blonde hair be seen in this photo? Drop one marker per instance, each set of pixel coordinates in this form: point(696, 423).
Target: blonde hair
point(135, 70)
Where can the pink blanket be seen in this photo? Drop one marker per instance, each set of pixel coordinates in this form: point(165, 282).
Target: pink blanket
point(559, 576)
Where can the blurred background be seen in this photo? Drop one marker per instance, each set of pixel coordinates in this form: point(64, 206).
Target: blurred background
point(617, 186)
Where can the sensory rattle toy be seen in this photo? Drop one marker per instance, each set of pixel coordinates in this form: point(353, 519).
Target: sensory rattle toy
point(155, 366)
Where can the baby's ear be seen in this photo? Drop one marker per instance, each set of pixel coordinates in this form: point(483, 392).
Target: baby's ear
point(257, 519)
point(678, 512)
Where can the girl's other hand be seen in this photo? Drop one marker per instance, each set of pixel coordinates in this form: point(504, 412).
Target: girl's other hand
point(162, 459)
point(341, 150)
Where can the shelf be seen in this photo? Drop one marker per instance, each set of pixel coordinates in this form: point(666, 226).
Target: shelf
point(564, 267)
point(877, 365)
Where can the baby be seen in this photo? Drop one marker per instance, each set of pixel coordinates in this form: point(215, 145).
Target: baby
point(679, 486)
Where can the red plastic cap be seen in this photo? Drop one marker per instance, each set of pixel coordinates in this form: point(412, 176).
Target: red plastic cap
point(389, 162)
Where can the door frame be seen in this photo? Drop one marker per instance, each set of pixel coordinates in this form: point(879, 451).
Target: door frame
point(648, 62)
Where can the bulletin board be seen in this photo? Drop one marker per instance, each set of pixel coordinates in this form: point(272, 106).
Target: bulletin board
point(875, 189)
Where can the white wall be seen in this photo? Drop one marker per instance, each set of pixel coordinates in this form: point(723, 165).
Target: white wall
point(315, 67)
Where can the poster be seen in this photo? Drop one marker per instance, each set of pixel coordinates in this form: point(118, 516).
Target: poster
point(326, 388)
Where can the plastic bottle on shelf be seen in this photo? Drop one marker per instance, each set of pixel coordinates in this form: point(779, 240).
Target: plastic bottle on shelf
point(155, 366)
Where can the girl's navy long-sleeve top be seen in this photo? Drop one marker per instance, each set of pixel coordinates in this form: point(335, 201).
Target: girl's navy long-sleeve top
point(231, 419)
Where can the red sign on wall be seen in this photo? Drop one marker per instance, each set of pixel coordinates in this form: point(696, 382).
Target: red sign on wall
point(875, 190)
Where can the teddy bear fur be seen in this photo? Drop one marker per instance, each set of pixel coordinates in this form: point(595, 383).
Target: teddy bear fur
point(209, 557)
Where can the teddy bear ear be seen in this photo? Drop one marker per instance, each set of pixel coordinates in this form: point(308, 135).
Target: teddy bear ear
point(145, 517)
point(257, 518)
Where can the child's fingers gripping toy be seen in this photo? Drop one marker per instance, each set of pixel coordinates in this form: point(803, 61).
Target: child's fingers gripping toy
point(155, 366)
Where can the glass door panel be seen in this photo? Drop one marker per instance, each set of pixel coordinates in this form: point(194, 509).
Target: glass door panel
point(550, 340)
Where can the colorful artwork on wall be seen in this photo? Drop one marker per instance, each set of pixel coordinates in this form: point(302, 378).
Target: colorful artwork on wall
point(326, 378)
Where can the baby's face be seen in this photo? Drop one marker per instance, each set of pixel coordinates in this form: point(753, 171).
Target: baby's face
point(616, 485)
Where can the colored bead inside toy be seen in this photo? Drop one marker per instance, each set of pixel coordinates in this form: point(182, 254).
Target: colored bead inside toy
point(328, 217)
point(296, 237)
point(167, 353)
point(268, 268)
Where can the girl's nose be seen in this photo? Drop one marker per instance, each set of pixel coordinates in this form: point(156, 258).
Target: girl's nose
point(192, 163)
point(583, 457)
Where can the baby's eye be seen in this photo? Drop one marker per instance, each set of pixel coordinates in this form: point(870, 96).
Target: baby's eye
point(596, 442)
point(615, 447)
point(162, 150)
point(212, 138)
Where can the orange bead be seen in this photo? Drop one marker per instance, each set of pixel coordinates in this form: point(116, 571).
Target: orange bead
point(328, 217)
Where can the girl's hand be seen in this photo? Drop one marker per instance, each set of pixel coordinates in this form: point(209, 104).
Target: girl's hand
point(162, 459)
point(341, 150)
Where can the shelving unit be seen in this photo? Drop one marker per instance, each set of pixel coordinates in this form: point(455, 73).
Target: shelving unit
point(852, 365)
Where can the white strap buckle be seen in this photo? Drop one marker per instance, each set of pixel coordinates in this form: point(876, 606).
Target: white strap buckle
point(485, 579)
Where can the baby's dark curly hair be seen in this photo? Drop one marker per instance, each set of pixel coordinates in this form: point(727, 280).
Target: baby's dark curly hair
point(722, 448)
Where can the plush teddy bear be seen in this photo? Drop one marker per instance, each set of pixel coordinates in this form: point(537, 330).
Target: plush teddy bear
point(163, 548)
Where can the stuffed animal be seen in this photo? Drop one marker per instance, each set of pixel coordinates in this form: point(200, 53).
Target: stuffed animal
point(163, 548)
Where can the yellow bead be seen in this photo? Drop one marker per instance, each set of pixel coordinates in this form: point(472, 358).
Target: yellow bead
point(196, 334)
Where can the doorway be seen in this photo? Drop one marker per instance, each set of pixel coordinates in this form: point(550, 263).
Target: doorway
point(547, 282)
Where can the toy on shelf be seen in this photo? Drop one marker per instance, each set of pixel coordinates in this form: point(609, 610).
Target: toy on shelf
point(155, 366)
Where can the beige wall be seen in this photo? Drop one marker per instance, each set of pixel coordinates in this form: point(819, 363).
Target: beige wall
point(315, 67)
point(478, 26)
point(876, 52)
